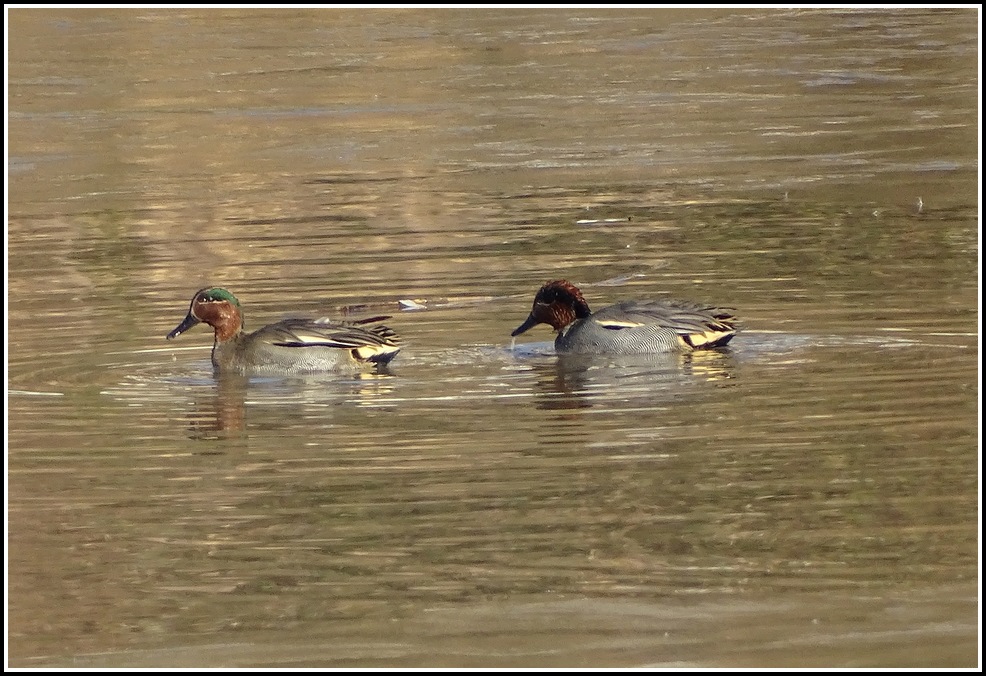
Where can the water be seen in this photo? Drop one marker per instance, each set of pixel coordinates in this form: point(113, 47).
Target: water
point(807, 498)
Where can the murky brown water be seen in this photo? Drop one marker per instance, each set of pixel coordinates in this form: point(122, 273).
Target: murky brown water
point(809, 498)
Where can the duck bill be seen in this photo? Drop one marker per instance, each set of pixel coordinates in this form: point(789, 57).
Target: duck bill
point(185, 325)
point(529, 323)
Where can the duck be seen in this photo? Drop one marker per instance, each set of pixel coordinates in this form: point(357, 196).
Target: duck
point(627, 327)
point(295, 345)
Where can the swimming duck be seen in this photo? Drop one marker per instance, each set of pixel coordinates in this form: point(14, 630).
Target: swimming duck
point(628, 327)
point(290, 346)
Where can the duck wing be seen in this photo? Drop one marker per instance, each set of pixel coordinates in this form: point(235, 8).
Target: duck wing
point(696, 324)
point(325, 332)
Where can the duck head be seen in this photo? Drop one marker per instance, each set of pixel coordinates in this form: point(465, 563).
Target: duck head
point(558, 304)
point(216, 307)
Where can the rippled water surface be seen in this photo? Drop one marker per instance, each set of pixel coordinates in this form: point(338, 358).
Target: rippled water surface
point(806, 498)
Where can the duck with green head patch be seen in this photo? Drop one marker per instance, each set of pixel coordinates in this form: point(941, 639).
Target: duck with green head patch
point(289, 346)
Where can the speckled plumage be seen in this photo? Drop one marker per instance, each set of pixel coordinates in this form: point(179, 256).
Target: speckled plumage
point(628, 327)
point(289, 346)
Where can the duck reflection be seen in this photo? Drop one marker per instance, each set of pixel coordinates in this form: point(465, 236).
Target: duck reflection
point(572, 381)
point(220, 412)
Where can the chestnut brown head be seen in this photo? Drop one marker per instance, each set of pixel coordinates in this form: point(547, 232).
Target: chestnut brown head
point(558, 304)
